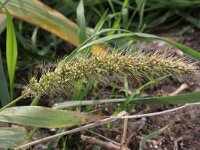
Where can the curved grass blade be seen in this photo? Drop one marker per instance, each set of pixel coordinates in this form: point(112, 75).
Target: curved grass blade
point(35, 12)
point(81, 22)
point(12, 137)
point(137, 91)
point(193, 97)
point(190, 19)
point(100, 22)
point(141, 13)
point(152, 135)
point(4, 93)
point(179, 99)
point(44, 117)
point(138, 36)
point(11, 51)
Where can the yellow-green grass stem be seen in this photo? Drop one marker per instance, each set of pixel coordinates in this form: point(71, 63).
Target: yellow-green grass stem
point(15, 101)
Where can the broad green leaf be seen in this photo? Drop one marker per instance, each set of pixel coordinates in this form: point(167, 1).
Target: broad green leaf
point(179, 99)
point(152, 135)
point(11, 51)
point(44, 117)
point(4, 93)
point(12, 137)
point(35, 12)
point(81, 22)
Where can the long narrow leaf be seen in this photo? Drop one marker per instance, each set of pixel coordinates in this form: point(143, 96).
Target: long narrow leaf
point(131, 36)
point(11, 51)
point(152, 135)
point(179, 99)
point(81, 22)
point(141, 13)
point(100, 22)
point(35, 12)
point(191, 19)
point(4, 93)
point(141, 36)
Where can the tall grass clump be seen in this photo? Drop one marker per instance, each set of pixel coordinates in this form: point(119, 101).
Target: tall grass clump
point(112, 66)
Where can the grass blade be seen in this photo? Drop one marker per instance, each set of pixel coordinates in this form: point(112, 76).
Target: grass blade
point(141, 13)
point(11, 51)
point(152, 135)
point(193, 97)
point(4, 93)
point(190, 19)
point(100, 22)
point(139, 36)
point(137, 91)
point(81, 22)
point(35, 12)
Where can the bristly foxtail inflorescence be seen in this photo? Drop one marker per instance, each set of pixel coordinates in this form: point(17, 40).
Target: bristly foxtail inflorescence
point(137, 65)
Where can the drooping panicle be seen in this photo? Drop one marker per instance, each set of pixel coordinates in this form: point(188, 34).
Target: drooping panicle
point(138, 65)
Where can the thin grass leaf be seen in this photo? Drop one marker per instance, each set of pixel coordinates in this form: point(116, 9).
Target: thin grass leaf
point(111, 6)
point(35, 12)
point(12, 137)
point(34, 38)
point(141, 13)
point(136, 36)
point(81, 22)
point(118, 18)
point(44, 117)
point(193, 97)
point(125, 18)
point(100, 22)
point(11, 51)
point(124, 12)
point(138, 8)
point(152, 135)
point(4, 93)
point(191, 19)
point(115, 25)
point(129, 99)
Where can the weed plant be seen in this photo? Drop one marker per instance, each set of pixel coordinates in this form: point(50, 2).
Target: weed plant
point(111, 66)
point(109, 21)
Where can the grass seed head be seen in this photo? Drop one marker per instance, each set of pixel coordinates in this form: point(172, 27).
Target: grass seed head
point(138, 66)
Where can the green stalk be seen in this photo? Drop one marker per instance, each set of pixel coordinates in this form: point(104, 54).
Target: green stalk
point(35, 100)
point(15, 101)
